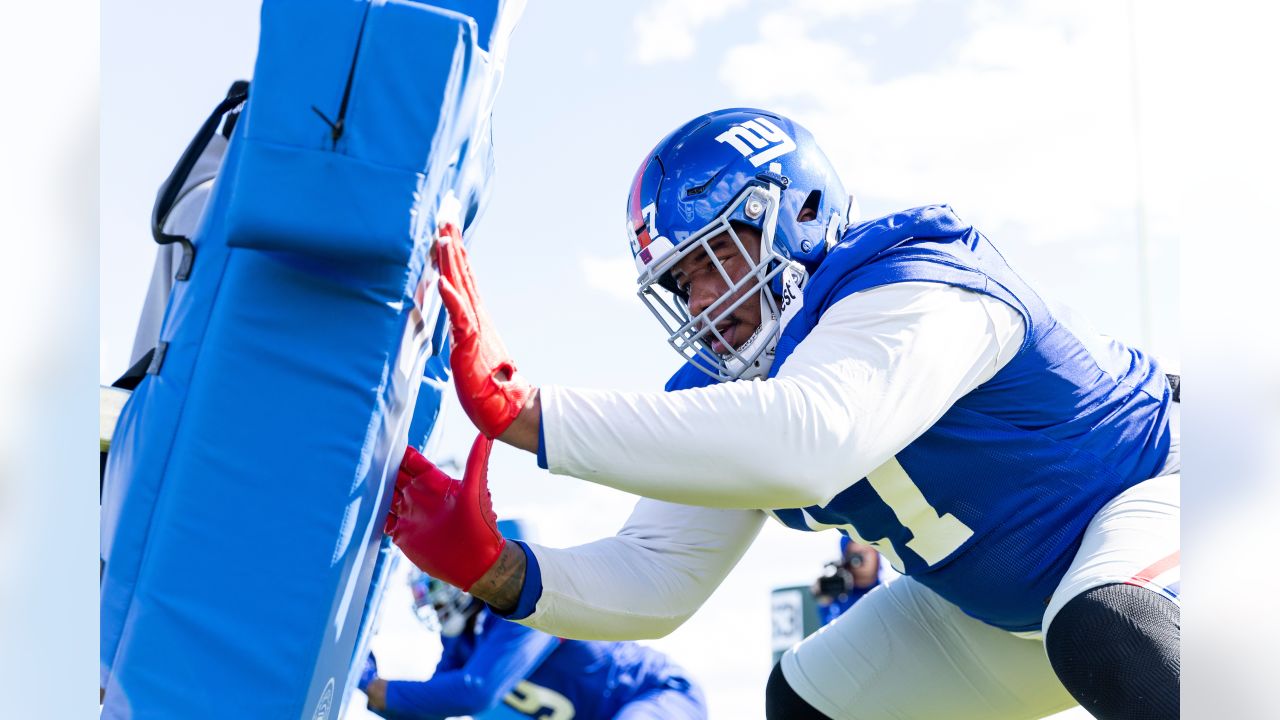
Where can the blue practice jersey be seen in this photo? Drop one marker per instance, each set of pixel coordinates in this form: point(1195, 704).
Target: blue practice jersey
point(988, 506)
point(530, 673)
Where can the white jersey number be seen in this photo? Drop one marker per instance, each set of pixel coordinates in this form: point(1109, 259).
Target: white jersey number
point(539, 702)
point(933, 536)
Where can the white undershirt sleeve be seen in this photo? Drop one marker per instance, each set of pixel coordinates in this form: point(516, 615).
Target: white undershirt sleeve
point(644, 582)
point(880, 367)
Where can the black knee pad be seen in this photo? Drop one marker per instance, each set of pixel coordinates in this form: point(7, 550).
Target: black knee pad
point(782, 703)
point(1116, 649)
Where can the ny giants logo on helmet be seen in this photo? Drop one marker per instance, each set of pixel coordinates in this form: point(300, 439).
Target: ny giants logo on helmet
point(759, 140)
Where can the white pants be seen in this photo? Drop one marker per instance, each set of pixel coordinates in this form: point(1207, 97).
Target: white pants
point(904, 652)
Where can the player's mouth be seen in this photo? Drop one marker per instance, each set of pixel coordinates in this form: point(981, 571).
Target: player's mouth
point(729, 331)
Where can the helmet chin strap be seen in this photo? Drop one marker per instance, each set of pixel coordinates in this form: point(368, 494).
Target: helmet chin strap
point(779, 311)
point(761, 365)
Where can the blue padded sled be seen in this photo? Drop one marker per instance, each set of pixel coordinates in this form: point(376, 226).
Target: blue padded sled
point(250, 471)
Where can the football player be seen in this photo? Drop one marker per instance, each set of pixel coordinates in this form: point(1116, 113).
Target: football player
point(487, 661)
point(893, 379)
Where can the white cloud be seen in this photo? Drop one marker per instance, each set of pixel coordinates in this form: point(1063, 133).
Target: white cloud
point(785, 34)
point(848, 8)
point(1028, 125)
point(665, 31)
point(614, 276)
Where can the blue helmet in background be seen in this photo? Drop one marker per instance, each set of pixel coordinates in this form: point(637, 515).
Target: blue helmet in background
point(735, 166)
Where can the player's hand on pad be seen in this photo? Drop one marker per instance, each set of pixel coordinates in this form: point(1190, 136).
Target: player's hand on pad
point(445, 526)
point(490, 389)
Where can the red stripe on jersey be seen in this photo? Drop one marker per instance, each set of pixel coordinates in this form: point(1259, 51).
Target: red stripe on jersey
point(1149, 573)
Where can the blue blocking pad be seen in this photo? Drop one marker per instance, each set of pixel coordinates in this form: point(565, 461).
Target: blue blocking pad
point(326, 155)
point(251, 472)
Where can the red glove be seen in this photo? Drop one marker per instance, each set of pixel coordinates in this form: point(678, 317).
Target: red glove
point(444, 526)
point(490, 389)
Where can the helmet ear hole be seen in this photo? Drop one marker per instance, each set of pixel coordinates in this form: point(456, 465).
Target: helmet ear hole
point(809, 211)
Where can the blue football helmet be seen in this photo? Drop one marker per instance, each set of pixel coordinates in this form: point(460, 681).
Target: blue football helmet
point(440, 606)
point(727, 167)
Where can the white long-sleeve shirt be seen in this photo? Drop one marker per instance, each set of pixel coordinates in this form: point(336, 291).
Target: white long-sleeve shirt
point(880, 367)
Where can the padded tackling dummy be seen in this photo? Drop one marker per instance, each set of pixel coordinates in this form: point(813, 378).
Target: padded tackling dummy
point(249, 475)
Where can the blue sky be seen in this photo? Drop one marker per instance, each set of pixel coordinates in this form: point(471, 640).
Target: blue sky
point(1024, 116)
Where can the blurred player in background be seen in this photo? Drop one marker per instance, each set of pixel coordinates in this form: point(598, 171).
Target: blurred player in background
point(488, 662)
point(895, 379)
point(846, 580)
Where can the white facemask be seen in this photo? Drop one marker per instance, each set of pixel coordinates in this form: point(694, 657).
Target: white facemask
point(453, 623)
point(692, 337)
